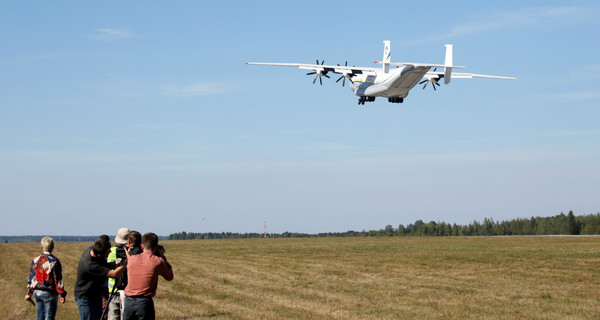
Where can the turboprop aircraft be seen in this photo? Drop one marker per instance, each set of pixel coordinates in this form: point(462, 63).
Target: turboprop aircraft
point(391, 83)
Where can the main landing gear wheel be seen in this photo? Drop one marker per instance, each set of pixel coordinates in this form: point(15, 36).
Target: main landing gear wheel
point(395, 100)
point(363, 99)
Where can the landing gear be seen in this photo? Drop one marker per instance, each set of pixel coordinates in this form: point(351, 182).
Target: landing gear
point(363, 99)
point(395, 100)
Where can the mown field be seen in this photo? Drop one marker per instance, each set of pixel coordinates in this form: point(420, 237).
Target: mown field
point(352, 278)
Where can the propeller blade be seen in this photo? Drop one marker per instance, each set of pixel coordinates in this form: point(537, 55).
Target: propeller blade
point(419, 82)
point(434, 89)
point(321, 80)
point(311, 73)
point(344, 81)
point(315, 79)
point(338, 80)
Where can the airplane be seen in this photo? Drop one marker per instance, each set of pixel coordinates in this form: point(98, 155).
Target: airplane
point(391, 83)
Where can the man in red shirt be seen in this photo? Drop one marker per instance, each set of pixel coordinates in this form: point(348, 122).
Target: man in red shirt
point(142, 273)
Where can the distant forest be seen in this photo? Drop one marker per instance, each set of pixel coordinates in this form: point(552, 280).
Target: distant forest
point(38, 238)
point(561, 224)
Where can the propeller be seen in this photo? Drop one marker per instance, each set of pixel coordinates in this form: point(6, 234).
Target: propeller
point(344, 76)
point(319, 74)
point(432, 80)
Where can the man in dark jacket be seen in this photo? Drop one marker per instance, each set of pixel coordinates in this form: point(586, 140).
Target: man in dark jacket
point(92, 272)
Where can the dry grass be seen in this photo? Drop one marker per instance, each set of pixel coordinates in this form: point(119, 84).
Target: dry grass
point(353, 278)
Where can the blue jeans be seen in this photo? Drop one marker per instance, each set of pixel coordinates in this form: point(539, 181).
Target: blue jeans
point(45, 303)
point(89, 309)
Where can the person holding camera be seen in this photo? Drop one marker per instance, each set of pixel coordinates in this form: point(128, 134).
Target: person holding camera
point(92, 272)
point(114, 285)
point(45, 283)
point(142, 274)
point(126, 241)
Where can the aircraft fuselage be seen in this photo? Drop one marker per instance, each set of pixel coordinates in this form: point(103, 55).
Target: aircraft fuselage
point(396, 83)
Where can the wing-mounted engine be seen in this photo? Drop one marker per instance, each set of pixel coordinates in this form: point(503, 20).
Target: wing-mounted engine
point(346, 74)
point(320, 73)
point(433, 79)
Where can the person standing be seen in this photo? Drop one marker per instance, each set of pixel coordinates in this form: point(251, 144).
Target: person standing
point(142, 274)
point(132, 242)
point(45, 282)
point(114, 285)
point(92, 272)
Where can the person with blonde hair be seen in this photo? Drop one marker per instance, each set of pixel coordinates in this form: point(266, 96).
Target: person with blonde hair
point(45, 283)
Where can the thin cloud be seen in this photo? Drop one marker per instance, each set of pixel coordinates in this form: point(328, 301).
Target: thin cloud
point(483, 23)
point(585, 73)
point(34, 156)
point(579, 96)
point(158, 127)
point(108, 35)
point(195, 89)
point(569, 134)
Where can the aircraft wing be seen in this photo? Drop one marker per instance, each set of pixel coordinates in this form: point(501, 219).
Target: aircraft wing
point(416, 64)
point(473, 75)
point(460, 75)
point(347, 70)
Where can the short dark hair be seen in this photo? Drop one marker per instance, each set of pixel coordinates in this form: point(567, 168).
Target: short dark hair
point(101, 247)
point(150, 241)
point(104, 238)
point(135, 238)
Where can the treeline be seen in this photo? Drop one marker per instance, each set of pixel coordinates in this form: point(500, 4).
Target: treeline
point(37, 238)
point(561, 224)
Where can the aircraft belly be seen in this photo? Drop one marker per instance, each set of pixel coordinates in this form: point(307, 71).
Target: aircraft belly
point(375, 90)
point(407, 80)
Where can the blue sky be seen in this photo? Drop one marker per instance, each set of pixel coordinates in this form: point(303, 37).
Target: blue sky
point(143, 114)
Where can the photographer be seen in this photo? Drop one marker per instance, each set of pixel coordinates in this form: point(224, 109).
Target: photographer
point(92, 272)
point(130, 241)
point(142, 273)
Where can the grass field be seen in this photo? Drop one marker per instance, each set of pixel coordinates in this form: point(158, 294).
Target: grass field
point(352, 278)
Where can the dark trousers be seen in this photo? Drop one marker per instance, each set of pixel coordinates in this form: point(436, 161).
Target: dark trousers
point(89, 309)
point(141, 308)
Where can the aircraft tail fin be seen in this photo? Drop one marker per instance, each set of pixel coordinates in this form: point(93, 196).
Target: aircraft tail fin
point(387, 58)
point(448, 64)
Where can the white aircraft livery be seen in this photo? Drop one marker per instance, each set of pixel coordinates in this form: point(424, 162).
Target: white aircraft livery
point(391, 83)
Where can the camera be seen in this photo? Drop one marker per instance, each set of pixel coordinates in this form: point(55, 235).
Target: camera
point(160, 251)
point(121, 253)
